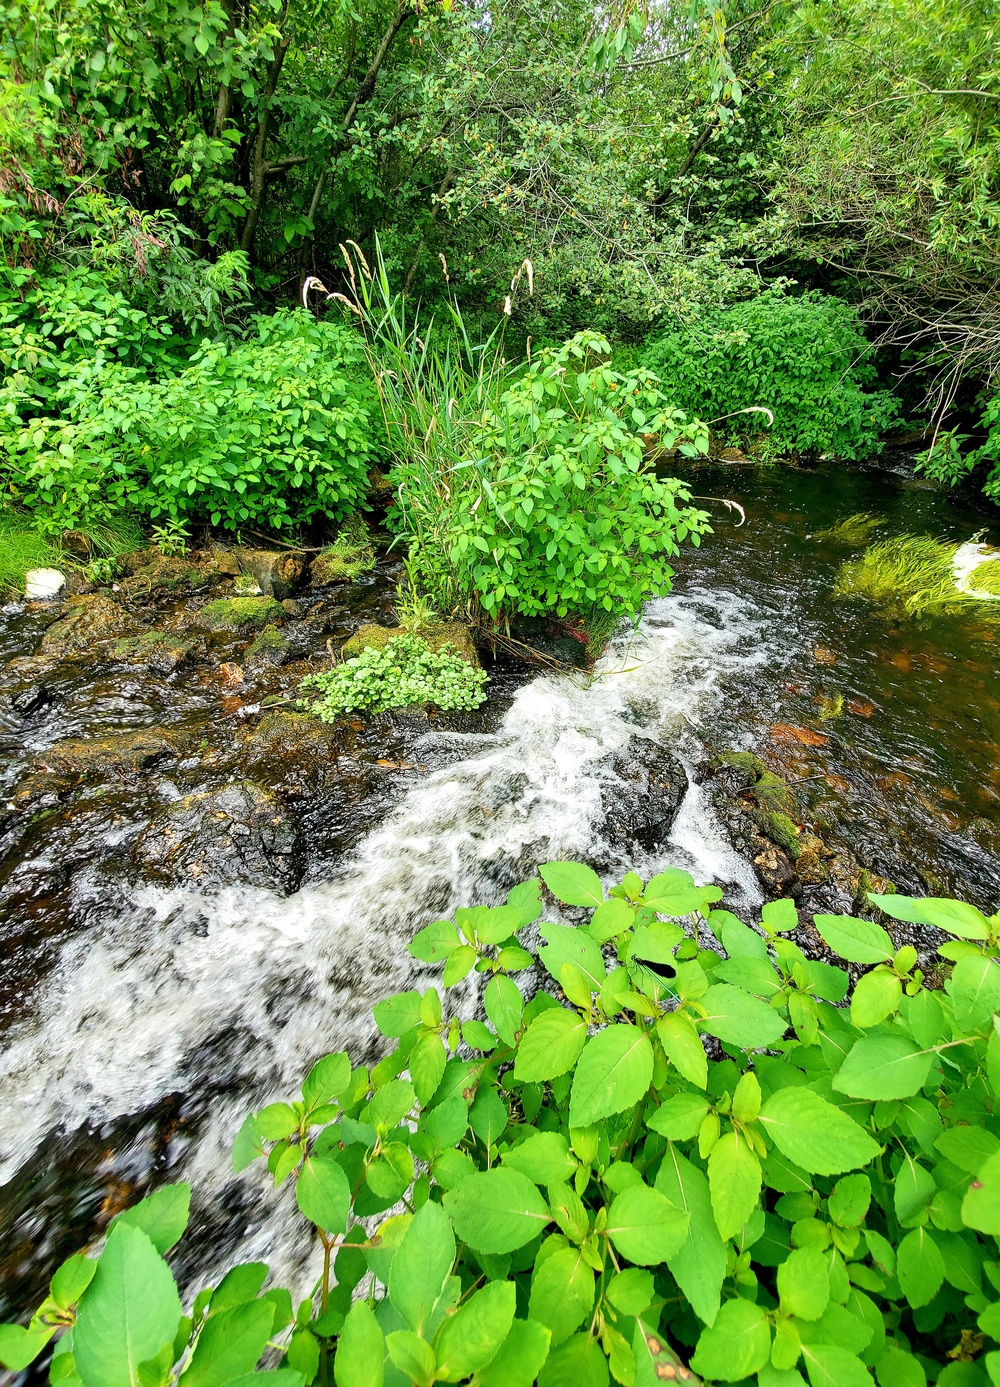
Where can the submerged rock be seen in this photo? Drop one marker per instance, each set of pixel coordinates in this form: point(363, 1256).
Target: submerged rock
point(87, 620)
point(159, 651)
point(120, 754)
point(270, 648)
point(437, 636)
point(240, 833)
point(239, 614)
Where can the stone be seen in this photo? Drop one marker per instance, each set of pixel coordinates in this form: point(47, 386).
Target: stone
point(77, 543)
point(453, 633)
point(641, 798)
point(340, 566)
point(87, 620)
point(239, 614)
point(161, 652)
point(240, 833)
point(277, 573)
point(122, 754)
point(42, 584)
point(269, 648)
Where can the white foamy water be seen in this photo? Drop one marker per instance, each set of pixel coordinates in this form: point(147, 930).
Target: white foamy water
point(176, 989)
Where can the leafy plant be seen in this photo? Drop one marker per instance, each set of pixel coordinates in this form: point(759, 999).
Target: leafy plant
point(804, 357)
point(414, 611)
point(403, 671)
point(853, 529)
point(667, 1162)
point(171, 538)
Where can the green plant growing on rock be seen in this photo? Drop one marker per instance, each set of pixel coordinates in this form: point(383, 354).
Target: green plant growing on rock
point(401, 672)
point(576, 1190)
point(414, 610)
point(350, 554)
point(171, 538)
point(853, 529)
point(240, 613)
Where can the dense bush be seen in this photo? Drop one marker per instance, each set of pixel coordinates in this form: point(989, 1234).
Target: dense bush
point(403, 671)
point(804, 358)
point(271, 430)
point(587, 1192)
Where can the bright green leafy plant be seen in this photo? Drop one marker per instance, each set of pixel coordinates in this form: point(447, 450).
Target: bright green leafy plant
point(403, 671)
point(672, 1162)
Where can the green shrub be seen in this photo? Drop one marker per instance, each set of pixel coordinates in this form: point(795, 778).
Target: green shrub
point(804, 358)
point(269, 431)
point(583, 1194)
point(403, 671)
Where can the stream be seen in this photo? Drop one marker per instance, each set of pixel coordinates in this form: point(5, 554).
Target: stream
point(147, 1006)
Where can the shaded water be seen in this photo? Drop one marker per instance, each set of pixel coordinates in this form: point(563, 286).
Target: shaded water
point(150, 1017)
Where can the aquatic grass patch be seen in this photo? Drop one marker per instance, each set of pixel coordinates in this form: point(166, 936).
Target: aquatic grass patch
point(853, 529)
point(987, 577)
point(23, 547)
point(403, 671)
point(911, 576)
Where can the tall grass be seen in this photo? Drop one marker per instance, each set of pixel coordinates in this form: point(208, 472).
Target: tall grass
point(22, 548)
point(909, 576)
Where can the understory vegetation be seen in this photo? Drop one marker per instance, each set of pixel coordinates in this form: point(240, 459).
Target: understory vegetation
point(404, 671)
point(673, 1161)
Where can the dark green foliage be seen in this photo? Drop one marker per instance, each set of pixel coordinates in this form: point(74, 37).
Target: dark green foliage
point(586, 1196)
point(403, 671)
point(804, 358)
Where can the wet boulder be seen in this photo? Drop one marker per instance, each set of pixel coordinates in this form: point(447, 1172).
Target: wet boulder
point(43, 584)
point(640, 799)
point(119, 755)
point(440, 634)
point(86, 620)
point(270, 649)
point(240, 614)
point(26, 687)
point(160, 652)
point(277, 573)
point(240, 833)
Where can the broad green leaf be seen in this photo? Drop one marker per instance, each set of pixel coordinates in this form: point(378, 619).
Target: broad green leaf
point(579, 1362)
point(981, 1205)
point(645, 1227)
point(849, 1200)
point(472, 1337)
point(328, 1078)
point(230, 1344)
point(699, 1268)
point(967, 1147)
point(815, 1134)
point(445, 1125)
point(426, 1064)
point(389, 1105)
point(829, 1366)
point(780, 916)
point(920, 1267)
point(804, 1283)
point(883, 1066)
point(756, 975)
point(562, 1293)
point(655, 1360)
point(544, 1157)
point(493, 924)
point(71, 1279)
point(422, 1265)
point(770, 1376)
point(568, 945)
point(876, 996)
point(434, 942)
point(736, 1345)
point(613, 1072)
point(20, 1346)
point(656, 942)
point(488, 1116)
point(412, 1356)
point(738, 939)
point(240, 1284)
point(397, 1014)
point(276, 1121)
point(734, 1180)
point(611, 917)
point(914, 1188)
point(504, 1006)
point(857, 941)
point(572, 883)
point(496, 1210)
point(683, 901)
point(162, 1215)
point(738, 1018)
point(897, 1368)
point(323, 1194)
point(957, 918)
point(520, 1358)
point(247, 1146)
point(679, 1117)
point(550, 1046)
point(127, 1314)
point(683, 1047)
point(630, 1291)
point(974, 988)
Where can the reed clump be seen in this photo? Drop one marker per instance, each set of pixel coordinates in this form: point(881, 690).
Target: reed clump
point(910, 576)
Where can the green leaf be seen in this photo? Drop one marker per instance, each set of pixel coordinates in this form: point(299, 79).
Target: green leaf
point(544, 1157)
point(981, 1205)
point(247, 1147)
point(71, 1279)
point(426, 1063)
point(579, 1362)
point(679, 1117)
point(780, 916)
point(957, 918)
point(20, 1346)
point(655, 1360)
point(397, 1014)
point(645, 1227)
point(740, 1019)
point(328, 1078)
point(520, 1358)
point(974, 988)
point(572, 883)
point(857, 941)
point(127, 1314)
point(504, 1007)
point(738, 939)
point(883, 1066)
point(458, 965)
point(389, 1105)
point(360, 1349)
point(699, 1268)
point(920, 1267)
point(496, 1210)
point(683, 1047)
point(422, 1265)
point(914, 1188)
point(562, 1293)
point(876, 996)
point(849, 1200)
point(829, 1366)
point(804, 1283)
point(897, 1368)
point(434, 942)
point(736, 1345)
point(323, 1193)
point(240, 1283)
point(815, 1134)
point(734, 1180)
point(550, 1046)
point(302, 1354)
point(277, 1121)
point(567, 945)
point(162, 1215)
point(630, 1291)
point(614, 1072)
point(967, 1147)
point(472, 1337)
point(414, 1358)
point(488, 1116)
point(611, 917)
point(230, 1344)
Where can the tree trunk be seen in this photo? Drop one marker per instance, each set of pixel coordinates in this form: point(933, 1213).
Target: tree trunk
point(258, 164)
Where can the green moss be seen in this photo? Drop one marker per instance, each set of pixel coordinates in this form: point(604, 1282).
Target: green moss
point(986, 577)
point(23, 548)
point(780, 829)
point(269, 639)
point(350, 555)
point(853, 529)
point(240, 613)
point(436, 637)
point(744, 761)
point(774, 795)
point(910, 576)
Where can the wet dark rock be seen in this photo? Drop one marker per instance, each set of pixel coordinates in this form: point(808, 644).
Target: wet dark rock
point(26, 687)
point(641, 798)
point(119, 755)
point(270, 648)
point(84, 622)
point(277, 573)
point(441, 634)
point(240, 614)
point(240, 833)
point(159, 651)
point(155, 575)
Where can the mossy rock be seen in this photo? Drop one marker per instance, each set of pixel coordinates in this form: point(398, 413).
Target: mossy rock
point(269, 648)
point(160, 651)
point(743, 761)
point(780, 830)
point(437, 636)
point(86, 621)
point(340, 566)
point(240, 614)
point(122, 754)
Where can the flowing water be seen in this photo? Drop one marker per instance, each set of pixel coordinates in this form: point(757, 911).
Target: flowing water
point(134, 1050)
